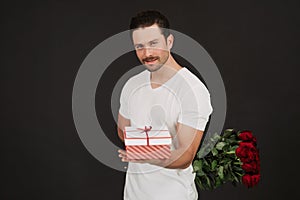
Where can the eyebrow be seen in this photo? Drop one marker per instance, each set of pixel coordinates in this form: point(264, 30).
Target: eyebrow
point(154, 40)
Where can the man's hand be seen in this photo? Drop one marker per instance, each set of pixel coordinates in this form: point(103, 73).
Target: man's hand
point(122, 122)
point(124, 158)
point(181, 158)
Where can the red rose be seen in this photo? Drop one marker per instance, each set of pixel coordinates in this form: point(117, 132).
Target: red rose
point(252, 167)
point(249, 180)
point(252, 156)
point(247, 152)
point(247, 136)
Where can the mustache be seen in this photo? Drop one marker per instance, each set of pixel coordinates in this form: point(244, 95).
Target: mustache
point(150, 58)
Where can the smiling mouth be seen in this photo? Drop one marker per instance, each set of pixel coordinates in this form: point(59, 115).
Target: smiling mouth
point(150, 60)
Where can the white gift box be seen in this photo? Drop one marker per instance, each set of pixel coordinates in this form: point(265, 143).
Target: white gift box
point(147, 143)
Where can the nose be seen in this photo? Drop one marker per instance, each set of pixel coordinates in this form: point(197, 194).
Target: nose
point(147, 52)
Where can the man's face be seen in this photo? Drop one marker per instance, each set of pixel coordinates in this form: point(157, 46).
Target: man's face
point(151, 47)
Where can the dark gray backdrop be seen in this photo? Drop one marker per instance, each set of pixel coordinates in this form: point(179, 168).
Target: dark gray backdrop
point(255, 45)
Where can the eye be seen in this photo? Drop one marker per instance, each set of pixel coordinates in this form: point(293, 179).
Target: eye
point(153, 43)
point(138, 46)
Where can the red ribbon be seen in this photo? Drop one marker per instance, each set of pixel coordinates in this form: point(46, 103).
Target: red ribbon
point(146, 129)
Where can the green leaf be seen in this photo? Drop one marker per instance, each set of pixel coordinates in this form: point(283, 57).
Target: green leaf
point(226, 165)
point(220, 145)
point(216, 137)
point(234, 136)
point(227, 132)
point(233, 148)
point(213, 164)
point(218, 182)
point(235, 177)
point(197, 165)
point(220, 172)
point(239, 174)
point(237, 165)
point(208, 181)
point(228, 177)
point(214, 151)
point(225, 161)
point(200, 173)
point(230, 152)
point(231, 141)
point(200, 153)
point(199, 183)
point(205, 163)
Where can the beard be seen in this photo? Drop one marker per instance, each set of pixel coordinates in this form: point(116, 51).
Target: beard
point(159, 62)
point(153, 67)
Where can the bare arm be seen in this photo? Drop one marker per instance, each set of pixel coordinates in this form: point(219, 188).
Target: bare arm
point(122, 122)
point(189, 140)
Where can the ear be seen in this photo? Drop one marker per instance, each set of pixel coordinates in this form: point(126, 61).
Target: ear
point(170, 41)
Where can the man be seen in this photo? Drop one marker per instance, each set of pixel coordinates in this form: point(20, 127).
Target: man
point(165, 94)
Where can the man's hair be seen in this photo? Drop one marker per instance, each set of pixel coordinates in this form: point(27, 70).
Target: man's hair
point(148, 18)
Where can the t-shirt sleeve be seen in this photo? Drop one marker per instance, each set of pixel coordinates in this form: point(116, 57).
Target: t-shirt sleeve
point(124, 104)
point(195, 107)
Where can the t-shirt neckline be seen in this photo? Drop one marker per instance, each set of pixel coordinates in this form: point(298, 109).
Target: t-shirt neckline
point(164, 84)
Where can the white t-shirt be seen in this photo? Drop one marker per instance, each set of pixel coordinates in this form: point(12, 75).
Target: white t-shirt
point(184, 99)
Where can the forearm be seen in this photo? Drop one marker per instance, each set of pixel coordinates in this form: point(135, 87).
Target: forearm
point(122, 123)
point(120, 134)
point(180, 159)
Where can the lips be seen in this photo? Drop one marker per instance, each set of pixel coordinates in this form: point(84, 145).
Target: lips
point(150, 60)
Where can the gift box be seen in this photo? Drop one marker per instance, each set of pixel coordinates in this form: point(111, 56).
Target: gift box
point(147, 143)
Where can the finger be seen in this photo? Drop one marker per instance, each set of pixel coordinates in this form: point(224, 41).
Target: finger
point(124, 159)
point(122, 152)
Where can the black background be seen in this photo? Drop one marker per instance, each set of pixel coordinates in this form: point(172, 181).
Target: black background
point(255, 45)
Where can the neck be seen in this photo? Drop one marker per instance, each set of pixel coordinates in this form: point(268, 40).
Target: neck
point(168, 70)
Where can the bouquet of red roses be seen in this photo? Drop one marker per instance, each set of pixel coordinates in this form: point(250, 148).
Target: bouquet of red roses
point(234, 158)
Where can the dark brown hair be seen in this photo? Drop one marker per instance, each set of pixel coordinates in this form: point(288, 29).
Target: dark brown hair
point(148, 18)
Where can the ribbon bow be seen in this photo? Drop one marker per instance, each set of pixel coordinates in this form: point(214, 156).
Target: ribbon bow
point(146, 129)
